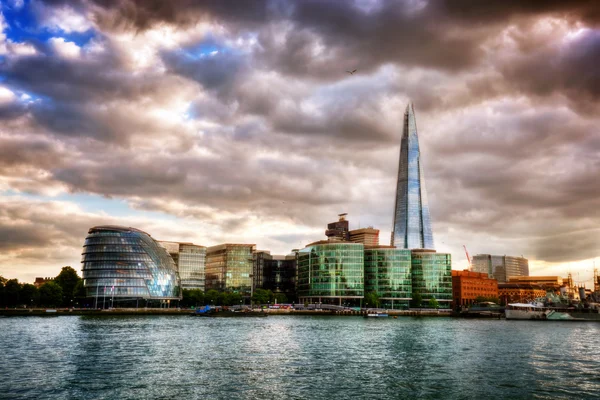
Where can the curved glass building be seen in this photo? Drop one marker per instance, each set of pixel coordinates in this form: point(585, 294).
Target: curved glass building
point(331, 273)
point(120, 262)
point(388, 274)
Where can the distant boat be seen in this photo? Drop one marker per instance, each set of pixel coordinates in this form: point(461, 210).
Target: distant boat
point(221, 313)
point(376, 315)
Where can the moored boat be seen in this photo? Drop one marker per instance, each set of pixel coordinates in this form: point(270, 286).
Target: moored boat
point(376, 315)
point(525, 311)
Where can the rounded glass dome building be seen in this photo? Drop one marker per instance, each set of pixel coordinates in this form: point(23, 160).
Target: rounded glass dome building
point(126, 263)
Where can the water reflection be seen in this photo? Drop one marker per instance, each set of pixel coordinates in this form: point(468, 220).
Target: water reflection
point(296, 357)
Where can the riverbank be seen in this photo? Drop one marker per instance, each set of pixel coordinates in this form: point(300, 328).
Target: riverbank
point(42, 312)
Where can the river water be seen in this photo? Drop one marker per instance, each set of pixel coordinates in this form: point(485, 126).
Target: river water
point(283, 357)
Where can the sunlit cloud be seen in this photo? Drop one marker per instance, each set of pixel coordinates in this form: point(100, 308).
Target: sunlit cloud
point(211, 124)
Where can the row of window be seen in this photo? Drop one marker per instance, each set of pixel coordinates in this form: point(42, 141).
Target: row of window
point(140, 257)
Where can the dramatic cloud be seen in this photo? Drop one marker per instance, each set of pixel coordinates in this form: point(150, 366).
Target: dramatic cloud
point(237, 121)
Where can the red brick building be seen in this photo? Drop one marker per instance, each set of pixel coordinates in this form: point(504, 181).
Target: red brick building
point(467, 286)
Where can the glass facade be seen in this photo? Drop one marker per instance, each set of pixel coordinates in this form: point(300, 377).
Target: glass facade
point(126, 262)
point(388, 274)
point(279, 275)
point(331, 272)
point(190, 260)
point(229, 266)
point(412, 221)
point(500, 268)
point(432, 276)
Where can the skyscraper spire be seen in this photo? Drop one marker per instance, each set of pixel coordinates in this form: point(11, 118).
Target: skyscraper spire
point(412, 222)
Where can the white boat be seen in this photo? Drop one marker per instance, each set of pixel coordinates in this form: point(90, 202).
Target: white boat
point(376, 315)
point(525, 311)
point(539, 311)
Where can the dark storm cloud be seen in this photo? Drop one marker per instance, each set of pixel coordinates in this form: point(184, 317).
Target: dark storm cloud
point(568, 68)
point(136, 15)
point(275, 129)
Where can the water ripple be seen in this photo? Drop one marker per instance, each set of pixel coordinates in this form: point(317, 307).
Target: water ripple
point(296, 358)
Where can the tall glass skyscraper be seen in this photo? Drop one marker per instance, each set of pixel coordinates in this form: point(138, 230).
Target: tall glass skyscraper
point(412, 222)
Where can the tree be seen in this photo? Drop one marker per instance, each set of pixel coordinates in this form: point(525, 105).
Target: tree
point(281, 298)
point(213, 297)
point(30, 295)
point(231, 298)
point(262, 296)
point(79, 292)
point(51, 294)
point(192, 298)
point(417, 300)
point(12, 289)
point(372, 299)
point(2, 291)
point(67, 280)
point(433, 303)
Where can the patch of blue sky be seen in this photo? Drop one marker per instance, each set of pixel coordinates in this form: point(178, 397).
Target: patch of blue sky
point(112, 206)
point(93, 203)
point(205, 48)
point(23, 26)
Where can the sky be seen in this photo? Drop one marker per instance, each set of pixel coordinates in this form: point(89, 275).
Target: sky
point(236, 121)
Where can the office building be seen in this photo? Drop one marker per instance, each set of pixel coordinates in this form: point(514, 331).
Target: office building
point(338, 231)
point(259, 258)
point(331, 273)
point(388, 274)
point(279, 275)
point(553, 283)
point(520, 292)
point(412, 221)
point(431, 275)
point(467, 286)
point(367, 236)
point(500, 268)
point(229, 267)
point(190, 260)
point(126, 263)
point(275, 273)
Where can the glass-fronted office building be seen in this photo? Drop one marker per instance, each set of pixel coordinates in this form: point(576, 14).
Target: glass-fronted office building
point(412, 220)
point(126, 263)
point(331, 273)
point(432, 276)
point(388, 274)
point(280, 275)
point(191, 263)
point(500, 268)
point(229, 267)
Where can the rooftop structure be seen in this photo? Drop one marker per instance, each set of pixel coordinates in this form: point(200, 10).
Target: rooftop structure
point(367, 236)
point(338, 231)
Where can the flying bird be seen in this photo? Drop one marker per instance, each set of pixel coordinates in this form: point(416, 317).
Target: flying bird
point(351, 72)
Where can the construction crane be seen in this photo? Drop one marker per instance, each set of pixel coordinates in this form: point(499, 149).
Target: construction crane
point(468, 258)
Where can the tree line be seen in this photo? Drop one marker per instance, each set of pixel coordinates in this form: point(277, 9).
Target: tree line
point(65, 290)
